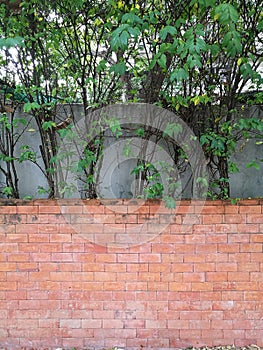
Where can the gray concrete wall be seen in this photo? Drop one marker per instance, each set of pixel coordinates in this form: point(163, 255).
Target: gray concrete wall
point(116, 179)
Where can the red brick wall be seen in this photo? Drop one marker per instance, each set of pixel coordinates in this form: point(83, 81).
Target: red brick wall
point(154, 278)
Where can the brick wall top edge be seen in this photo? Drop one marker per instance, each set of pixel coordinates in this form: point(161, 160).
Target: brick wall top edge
point(125, 202)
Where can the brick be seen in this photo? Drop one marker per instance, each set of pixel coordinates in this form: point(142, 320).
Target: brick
point(228, 248)
point(200, 258)
point(256, 276)
point(39, 276)
point(226, 228)
point(71, 209)
point(195, 239)
point(133, 267)
point(149, 258)
point(50, 247)
point(73, 342)
point(18, 257)
point(83, 257)
point(251, 247)
point(148, 276)
point(6, 286)
point(232, 209)
point(221, 324)
point(204, 267)
point(235, 219)
point(234, 333)
point(216, 238)
point(138, 286)
point(164, 267)
point(27, 228)
point(238, 238)
point(246, 286)
point(206, 248)
point(8, 209)
point(204, 229)
point(73, 247)
point(216, 276)
point(160, 286)
point(179, 287)
point(250, 209)
point(184, 248)
point(104, 276)
point(82, 276)
point(178, 324)
point(239, 276)
point(17, 238)
point(7, 266)
point(202, 286)
point(190, 315)
point(253, 295)
point(112, 323)
point(248, 228)
point(193, 334)
point(212, 219)
point(211, 296)
point(182, 267)
point(124, 295)
point(242, 257)
point(38, 238)
point(213, 334)
point(155, 324)
point(114, 286)
point(163, 248)
point(61, 257)
point(126, 258)
point(16, 276)
point(231, 266)
point(213, 209)
point(193, 277)
point(36, 257)
point(70, 323)
point(92, 267)
point(173, 258)
point(256, 238)
point(49, 209)
point(258, 257)
point(56, 237)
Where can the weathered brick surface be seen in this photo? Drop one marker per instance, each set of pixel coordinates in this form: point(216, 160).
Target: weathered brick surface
point(191, 276)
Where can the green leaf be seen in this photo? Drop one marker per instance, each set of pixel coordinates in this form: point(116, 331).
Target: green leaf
point(173, 129)
point(118, 68)
point(232, 43)
point(169, 202)
point(11, 42)
point(48, 125)
point(120, 37)
point(101, 66)
point(42, 190)
point(28, 107)
point(162, 61)
point(19, 121)
point(7, 191)
point(115, 127)
point(167, 30)
point(246, 70)
point(179, 75)
point(27, 197)
point(253, 164)
point(226, 13)
point(140, 132)
point(131, 18)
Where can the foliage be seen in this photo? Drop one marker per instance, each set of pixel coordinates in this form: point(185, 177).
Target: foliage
point(198, 58)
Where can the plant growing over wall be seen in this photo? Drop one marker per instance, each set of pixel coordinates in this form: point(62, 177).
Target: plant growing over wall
point(195, 58)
